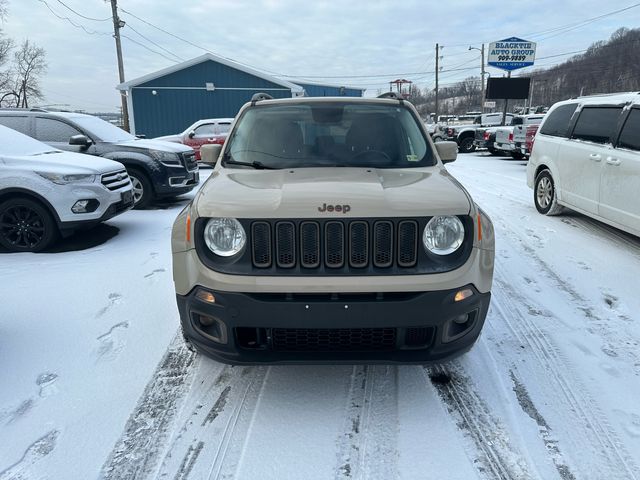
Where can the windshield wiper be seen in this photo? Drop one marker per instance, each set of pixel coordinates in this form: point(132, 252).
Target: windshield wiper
point(255, 164)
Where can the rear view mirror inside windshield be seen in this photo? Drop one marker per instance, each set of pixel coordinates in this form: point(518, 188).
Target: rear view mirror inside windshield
point(326, 114)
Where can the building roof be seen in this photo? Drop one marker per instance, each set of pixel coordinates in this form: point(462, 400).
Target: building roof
point(300, 81)
point(204, 58)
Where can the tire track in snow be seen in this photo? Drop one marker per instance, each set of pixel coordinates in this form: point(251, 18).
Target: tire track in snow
point(579, 408)
point(210, 440)
point(598, 324)
point(136, 453)
point(496, 458)
point(368, 446)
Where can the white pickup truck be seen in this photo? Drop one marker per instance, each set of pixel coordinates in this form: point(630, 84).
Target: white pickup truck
point(510, 139)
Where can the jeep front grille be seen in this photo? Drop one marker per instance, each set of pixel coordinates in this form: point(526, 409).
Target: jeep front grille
point(334, 247)
point(311, 244)
point(115, 180)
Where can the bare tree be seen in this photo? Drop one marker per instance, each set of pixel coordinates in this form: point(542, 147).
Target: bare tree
point(4, 9)
point(29, 64)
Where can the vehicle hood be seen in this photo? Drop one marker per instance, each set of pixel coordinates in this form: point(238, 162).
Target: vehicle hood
point(64, 163)
point(155, 144)
point(300, 193)
point(169, 138)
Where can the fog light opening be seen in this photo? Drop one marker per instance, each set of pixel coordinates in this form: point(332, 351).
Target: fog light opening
point(461, 319)
point(205, 296)
point(463, 294)
point(459, 326)
point(211, 327)
point(206, 321)
point(85, 206)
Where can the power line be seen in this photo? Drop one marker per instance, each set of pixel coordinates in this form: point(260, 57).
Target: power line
point(567, 27)
point(84, 16)
point(90, 32)
point(147, 48)
point(154, 43)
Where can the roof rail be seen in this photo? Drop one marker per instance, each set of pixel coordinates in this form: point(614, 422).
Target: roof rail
point(21, 109)
point(613, 94)
point(257, 97)
point(392, 95)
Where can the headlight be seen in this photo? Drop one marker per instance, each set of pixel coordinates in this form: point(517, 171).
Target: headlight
point(167, 158)
point(65, 179)
point(443, 235)
point(224, 236)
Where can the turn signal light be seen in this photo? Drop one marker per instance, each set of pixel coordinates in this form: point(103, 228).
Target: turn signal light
point(188, 235)
point(463, 294)
point(479, 228)
point(205, 296)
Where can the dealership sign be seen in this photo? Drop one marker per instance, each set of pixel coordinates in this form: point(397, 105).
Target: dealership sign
point(511, 53)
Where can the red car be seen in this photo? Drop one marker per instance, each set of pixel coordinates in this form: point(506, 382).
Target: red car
point(210, 130)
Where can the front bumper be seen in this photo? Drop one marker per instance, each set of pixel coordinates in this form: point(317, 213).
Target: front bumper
point(397, 327)
point(68, 227)
point(177, 182)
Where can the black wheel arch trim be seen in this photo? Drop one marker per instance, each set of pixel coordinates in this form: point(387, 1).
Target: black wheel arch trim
point(6, 193)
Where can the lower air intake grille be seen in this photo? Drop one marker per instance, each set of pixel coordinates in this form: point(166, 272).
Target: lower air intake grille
point(333, 339)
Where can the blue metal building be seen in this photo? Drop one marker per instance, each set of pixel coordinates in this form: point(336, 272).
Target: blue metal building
point(168, 101)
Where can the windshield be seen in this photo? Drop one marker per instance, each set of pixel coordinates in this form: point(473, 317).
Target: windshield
point(102, 131)
point(329, 134)
point(14, 143)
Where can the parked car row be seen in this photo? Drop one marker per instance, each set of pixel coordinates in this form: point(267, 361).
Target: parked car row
point(587, 158)
point(60, 172)
point(465, 135)
point(203, 132)
point(510, 139)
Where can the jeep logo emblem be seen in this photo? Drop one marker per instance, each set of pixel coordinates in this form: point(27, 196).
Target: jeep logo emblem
point(334, 208)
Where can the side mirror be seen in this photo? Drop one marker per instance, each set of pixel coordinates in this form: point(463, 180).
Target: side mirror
point(192, 134)
point(209, 153)
point(80, 140)
point(447, 151)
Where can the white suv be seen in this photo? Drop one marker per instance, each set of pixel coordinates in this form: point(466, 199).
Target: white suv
point(45, 193)
point(586, 156)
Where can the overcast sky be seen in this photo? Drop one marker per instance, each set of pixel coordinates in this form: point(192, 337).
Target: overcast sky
point(381, 39)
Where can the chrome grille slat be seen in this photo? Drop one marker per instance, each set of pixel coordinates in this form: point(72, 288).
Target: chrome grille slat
point(115, 180)
point(189, 160)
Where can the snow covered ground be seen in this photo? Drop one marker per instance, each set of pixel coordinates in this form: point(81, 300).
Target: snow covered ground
point(95, 382)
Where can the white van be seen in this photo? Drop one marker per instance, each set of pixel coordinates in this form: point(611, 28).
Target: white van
point(586, 156)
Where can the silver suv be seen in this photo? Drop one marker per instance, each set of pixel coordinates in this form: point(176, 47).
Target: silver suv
point(330, 231)
point(45, 193)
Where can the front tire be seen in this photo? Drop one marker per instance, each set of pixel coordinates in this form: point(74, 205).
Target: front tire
point(466, 145)
point(142, 189)
point(544, 194)
point(26, 226)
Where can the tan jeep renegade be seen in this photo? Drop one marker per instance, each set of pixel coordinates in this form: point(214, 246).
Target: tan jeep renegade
point(330, 232)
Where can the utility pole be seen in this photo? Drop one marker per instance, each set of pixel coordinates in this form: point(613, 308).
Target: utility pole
point(481, 73)
point(506, 104)
point(437, 69)
point(482, 79)
point(117, 25)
